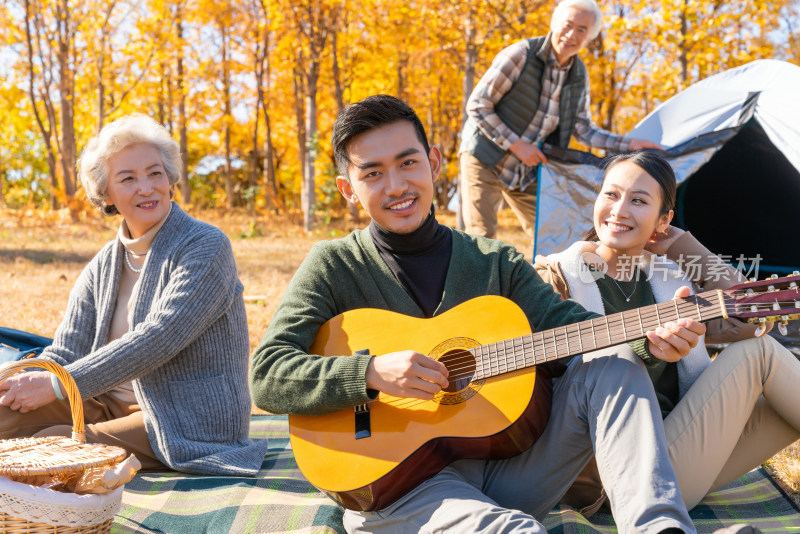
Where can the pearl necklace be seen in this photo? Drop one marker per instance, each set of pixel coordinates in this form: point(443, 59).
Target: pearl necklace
point(130, 265)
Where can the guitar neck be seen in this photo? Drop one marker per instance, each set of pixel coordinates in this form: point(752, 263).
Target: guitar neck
point(540, 347)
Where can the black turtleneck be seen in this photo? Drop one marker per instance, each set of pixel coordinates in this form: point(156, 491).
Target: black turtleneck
point(419, 259)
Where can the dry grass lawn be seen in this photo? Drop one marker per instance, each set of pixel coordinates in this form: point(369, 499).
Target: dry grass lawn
point(41, 256)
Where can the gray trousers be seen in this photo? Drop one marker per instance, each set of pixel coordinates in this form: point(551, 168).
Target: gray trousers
point(603, 403)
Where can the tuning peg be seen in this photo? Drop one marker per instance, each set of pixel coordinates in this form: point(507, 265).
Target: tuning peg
point(762, 327)
point(795, 273)
point(793, 285)
point(754, 279)
point(782, 326)
point(773, 277)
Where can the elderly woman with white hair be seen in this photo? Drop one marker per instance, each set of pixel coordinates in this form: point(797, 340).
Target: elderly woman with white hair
point(155, 332)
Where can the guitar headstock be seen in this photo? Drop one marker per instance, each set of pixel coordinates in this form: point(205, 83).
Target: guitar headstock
point(774, 299)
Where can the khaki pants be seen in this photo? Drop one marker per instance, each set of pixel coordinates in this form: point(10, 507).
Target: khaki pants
point(107, 420)
point(481, 192)
point(743, 409)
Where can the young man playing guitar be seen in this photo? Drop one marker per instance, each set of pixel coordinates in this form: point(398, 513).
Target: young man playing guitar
point(406, 262)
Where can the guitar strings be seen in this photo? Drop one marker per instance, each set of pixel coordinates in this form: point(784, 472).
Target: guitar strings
point(526, 343)
point(612, 330)
point(501, 349)
point(506, 360)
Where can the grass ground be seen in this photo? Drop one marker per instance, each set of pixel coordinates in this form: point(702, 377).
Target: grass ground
point(41, 256)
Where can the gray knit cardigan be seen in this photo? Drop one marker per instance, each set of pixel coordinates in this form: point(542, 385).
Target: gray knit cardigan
point(186, 351)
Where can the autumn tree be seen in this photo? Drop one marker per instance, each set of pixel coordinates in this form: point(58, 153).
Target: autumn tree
point(311, 21)
point(260, 46)
point(251, 88)
point(50, 28)
point(647, 52)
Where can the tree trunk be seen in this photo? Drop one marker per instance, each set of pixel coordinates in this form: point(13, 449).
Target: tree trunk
point(402, 58)
point(337, 76)
point(611, 80)
point(470, 58)
point(47, 132)
point(300, 118)
point(101, 71)
point(262, 72)
point(684, 46)
point(186, 189)
point(67, 94)
point(258, 71)
point(101, 88)
point(254, 161)
point(352, 209)
point(163, 101)
point(308, 187)
point(226, 87)
point(270, 183)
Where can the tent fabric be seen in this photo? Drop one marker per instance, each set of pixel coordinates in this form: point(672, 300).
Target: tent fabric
point(718, 103)
point(738, 202)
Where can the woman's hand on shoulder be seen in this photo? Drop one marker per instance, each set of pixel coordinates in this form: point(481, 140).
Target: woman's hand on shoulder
point(27, 391)
point(660, 242)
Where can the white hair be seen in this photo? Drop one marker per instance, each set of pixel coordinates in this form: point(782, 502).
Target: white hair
point(590, 6)
point(112, 139)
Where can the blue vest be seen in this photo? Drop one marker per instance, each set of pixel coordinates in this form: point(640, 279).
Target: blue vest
point(518, 106)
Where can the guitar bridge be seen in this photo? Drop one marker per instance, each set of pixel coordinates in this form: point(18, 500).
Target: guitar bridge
point(362, 417)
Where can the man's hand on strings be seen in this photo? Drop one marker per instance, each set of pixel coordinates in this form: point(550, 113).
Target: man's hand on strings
point(407, 374)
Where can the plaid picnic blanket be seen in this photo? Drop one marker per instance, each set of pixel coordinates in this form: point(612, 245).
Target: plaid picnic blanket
point(281, 500)
point(754, 499)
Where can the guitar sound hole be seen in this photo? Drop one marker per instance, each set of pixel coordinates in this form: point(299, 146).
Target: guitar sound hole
point(461, 365)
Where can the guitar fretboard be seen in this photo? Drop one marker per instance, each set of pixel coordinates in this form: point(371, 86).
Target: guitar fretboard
point(540, 347)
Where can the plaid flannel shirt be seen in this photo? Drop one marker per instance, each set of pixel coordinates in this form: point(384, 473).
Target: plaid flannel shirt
point(498, 80)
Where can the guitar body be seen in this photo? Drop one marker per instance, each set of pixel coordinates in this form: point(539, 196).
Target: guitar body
point(410, 440)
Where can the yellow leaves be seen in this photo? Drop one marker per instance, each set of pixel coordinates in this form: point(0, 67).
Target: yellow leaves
point(652, 50)
point(419, 49)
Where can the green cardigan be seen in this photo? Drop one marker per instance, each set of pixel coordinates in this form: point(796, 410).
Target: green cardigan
point(347, 274)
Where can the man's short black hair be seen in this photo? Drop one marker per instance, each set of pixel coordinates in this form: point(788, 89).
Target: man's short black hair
point(371, 113)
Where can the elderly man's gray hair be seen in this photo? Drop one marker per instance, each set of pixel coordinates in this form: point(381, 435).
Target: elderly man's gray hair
point(112, 139)
point(589, 6)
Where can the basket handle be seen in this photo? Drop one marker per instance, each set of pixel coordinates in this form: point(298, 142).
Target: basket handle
point(73, 394)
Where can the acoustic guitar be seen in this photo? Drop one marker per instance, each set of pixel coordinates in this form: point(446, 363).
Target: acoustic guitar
point(496, 405)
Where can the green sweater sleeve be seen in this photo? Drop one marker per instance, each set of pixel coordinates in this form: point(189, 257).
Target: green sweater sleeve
point(642, 350)
point(284, 377)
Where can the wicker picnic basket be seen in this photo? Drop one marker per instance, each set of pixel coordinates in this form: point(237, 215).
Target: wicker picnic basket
point(31, 509)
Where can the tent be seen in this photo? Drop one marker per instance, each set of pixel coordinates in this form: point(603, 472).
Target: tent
point(734, 142)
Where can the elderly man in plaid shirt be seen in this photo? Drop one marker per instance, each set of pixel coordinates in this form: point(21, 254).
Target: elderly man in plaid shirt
point(536, 91)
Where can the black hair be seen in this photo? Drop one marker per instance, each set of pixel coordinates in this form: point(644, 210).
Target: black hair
point(371, 113)
point(656, 167)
